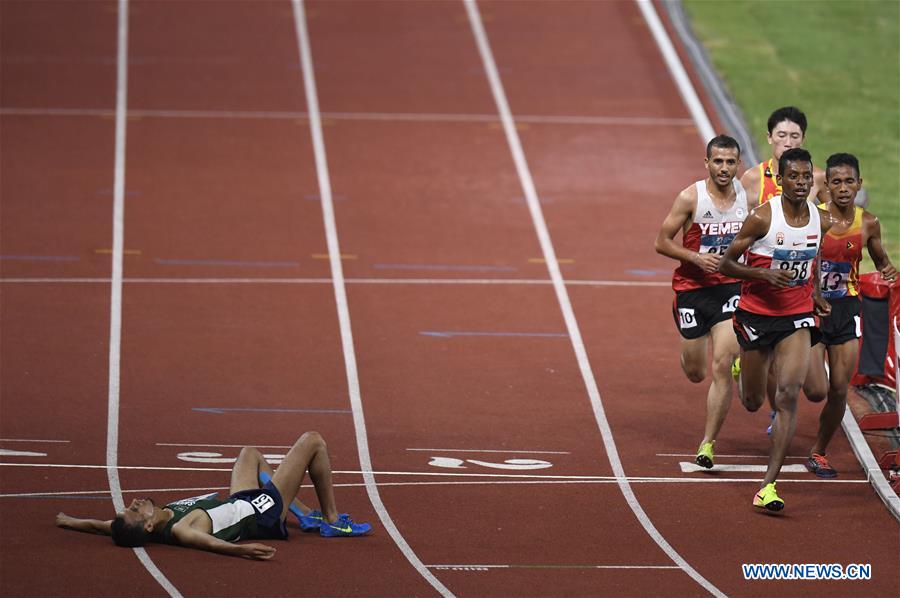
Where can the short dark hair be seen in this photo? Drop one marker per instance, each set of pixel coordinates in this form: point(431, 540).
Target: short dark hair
point(842, 160)
point(130, 536)
point(723, 142)
point(795, 154)
point(791, 113)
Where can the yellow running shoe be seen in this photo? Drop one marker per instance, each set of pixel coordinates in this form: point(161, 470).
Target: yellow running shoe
point(736, 369)
point(767, 499)
point(704, 456)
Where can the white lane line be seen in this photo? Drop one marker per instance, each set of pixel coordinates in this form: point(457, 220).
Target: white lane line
point(549, 254)
point(12, 453)
point(340, 297)
point(536, 566)
point(32, 440)
point(704, 480)
point(692, 455)
point(687, 467)
point(680, 76)
point(451, 450)
point(397, 281)
point(115, 316)
point(581, 120)
point(278, 446)
point(412, 474)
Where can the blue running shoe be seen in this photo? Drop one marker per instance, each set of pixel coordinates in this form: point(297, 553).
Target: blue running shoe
point(343, 527)
point(311, 522)
point(772, 421)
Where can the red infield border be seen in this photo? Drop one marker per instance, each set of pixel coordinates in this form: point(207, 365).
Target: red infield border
point(482, 437)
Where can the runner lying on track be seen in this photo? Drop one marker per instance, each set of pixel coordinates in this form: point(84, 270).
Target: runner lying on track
point(250, 512)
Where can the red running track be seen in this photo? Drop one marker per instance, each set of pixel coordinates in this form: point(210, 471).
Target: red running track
point(227, 303)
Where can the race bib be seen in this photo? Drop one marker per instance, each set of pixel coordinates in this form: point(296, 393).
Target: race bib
point(262, 503)
point(715, 243)
point(796, 261)
point(686, 318)
point(805, 323)
point(731, 304)
point(834, 278)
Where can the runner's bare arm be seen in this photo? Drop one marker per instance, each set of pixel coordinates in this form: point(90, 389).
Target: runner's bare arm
point(679, 219)
point(750, 181)
point(92, 526)
point(821, 306)
point(191, 537)
point(819, 191)
point(872, 235)
point(755, 227)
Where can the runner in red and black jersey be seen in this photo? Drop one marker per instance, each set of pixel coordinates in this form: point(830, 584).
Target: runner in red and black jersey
point(708, 214)
point(776, 319)
point(854, 228)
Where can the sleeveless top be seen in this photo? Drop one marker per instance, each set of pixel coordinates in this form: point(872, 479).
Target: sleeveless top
point(840, 257)
point(712, 231)
point(768, 187)
point(232, 519)
point(783, 247)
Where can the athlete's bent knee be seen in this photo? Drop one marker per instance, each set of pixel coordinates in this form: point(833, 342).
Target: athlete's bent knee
point(752, 402)
point(313, 440)
point(250, 452)
point(815, 395)
point(695, 376)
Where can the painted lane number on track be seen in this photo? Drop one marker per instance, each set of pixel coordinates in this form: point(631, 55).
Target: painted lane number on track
point(204, 457)
point(520, 464)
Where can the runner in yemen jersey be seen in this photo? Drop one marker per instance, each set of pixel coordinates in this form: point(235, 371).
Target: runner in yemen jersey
point(711, 231)
point(839, 258)
point(708, 214)
point(776, 317)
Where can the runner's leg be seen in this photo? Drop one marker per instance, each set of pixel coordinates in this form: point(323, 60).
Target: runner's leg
point(308, 453)
point(815, 387)
point(792, 355)
point(718, 398)
point(842, 360)
point(693, 357)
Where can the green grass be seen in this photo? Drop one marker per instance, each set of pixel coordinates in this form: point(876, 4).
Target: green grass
point(837, 60)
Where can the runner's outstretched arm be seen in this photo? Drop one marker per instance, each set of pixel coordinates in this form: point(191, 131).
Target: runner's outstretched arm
point(193, 538)
point(91, 526)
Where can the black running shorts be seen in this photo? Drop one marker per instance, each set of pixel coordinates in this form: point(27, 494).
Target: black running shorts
point(697, 311)
point(755, 331)
point(843, 324)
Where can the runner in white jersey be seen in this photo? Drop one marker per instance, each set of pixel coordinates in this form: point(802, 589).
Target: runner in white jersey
point(776, 319)
point(708, 214)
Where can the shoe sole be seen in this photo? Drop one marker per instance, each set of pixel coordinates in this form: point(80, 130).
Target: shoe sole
point(704, 461)
point(774, 505)
point(825, 475)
